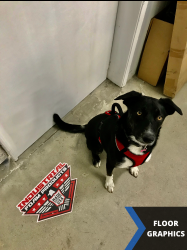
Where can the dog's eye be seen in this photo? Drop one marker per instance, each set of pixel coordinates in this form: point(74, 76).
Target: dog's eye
point(159, 118)
point(139, 113)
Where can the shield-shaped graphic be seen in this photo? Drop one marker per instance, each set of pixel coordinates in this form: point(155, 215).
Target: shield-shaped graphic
point(53, 196)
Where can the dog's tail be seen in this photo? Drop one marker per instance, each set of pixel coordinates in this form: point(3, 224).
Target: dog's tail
point(68, 127)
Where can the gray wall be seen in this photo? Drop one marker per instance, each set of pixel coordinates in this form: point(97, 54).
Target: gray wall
point(53, 54)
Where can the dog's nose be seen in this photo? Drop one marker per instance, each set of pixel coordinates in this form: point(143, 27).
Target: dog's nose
point(148, 138)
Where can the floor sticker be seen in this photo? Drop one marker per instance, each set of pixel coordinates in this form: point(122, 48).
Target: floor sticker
point(53, 196)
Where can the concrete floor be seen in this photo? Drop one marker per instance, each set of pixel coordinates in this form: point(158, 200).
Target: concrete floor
point(99, 219)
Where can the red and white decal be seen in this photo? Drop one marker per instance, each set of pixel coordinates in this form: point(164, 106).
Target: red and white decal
point(53, 196)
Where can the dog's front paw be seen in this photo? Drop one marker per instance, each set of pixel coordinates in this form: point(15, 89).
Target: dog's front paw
point(134, 171)
point(109, 184)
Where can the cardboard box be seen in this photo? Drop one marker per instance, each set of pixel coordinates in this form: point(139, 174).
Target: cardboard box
point(176, 75)
point(156, 51)
point(166, 41)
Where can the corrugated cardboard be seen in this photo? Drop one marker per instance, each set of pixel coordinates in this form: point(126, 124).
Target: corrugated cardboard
point(156, 51)
point(176, 74)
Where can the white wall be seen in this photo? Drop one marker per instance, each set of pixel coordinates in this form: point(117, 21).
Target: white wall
point(53, 54)
point(153, 8)
point(126, 22)
point(133, 19)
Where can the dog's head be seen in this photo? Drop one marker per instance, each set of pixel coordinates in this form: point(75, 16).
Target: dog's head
point(145, 116)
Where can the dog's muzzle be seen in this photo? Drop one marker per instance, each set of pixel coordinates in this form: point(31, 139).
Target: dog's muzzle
point(148, 138)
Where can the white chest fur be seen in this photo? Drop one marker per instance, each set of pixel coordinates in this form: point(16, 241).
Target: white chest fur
point(128, 163)
point(135, 150)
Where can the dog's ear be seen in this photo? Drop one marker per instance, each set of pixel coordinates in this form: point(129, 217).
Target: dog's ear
point(129, 97)
point(170, 106)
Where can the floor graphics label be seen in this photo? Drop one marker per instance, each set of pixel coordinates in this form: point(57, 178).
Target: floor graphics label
point(159, 228)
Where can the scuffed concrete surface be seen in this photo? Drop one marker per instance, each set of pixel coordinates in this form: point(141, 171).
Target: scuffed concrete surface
point(99, 219)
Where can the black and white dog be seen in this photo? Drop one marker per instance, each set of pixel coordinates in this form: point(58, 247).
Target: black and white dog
point(128, 138)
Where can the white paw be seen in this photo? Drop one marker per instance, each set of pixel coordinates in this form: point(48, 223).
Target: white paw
point(98, 164)
point(109, 184)
point(134, 171)
point(148, 158)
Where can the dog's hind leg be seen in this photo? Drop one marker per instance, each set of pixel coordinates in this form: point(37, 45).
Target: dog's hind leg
point(96, 149)
point(96, 160)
